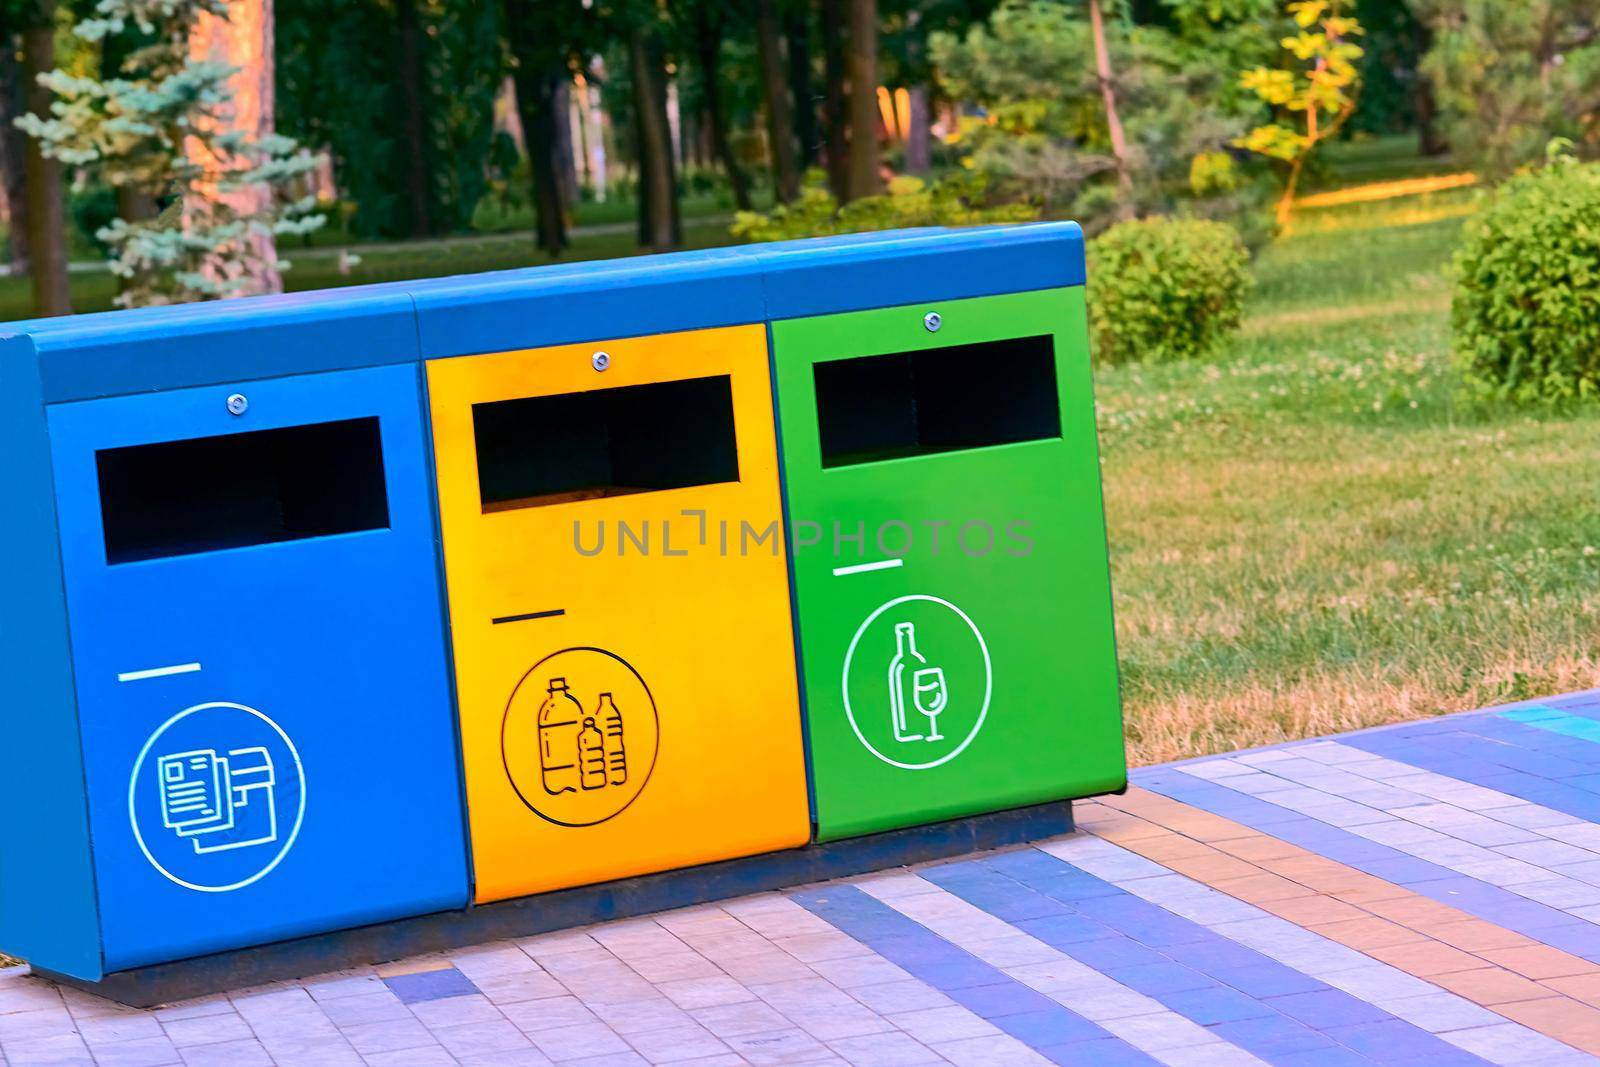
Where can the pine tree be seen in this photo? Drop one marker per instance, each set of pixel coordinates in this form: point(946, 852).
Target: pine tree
point(162, 128)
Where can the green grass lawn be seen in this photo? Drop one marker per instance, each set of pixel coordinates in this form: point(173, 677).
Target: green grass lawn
point(1312, 534)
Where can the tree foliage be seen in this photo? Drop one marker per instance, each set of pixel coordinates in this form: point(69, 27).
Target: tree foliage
point(161, 127)
point(1316, 90)
point(1042, 133)
point(343, 85)
point(1510, 74)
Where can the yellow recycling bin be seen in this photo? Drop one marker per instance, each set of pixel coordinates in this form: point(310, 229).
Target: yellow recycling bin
point(619, 605)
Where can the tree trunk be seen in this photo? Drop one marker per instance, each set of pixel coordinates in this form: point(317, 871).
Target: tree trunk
point(708, 49)
point(243, 41)
point(47, 214)
point(780, 110)
point(919, 149)
point(536, 106)
point(835, 116)
point(862, 64)
point(802, 89)
point(566, 157)
point(658, 195)
point(413, 122)
point(1119, 147)
point(1430, 142)
point(13, 154)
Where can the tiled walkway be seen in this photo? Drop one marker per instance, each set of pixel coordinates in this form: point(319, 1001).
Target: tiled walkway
point(1421, 895)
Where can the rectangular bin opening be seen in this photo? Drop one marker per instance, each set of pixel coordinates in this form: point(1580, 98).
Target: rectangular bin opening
point(542, 450)
point(261, 487)
point(935, 400)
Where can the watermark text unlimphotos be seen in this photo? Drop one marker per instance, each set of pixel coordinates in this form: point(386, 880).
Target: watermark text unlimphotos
point(695, 530)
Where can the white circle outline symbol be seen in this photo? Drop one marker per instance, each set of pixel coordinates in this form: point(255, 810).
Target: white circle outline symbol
point(133, 782)
point(988, 682)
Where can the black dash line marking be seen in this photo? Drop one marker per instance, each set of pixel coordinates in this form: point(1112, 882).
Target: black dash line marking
point(530, 615)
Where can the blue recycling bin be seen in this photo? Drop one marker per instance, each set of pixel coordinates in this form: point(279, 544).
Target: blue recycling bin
point(234, 724)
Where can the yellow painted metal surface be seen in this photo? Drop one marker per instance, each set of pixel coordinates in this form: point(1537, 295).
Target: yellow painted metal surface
point(635, 708)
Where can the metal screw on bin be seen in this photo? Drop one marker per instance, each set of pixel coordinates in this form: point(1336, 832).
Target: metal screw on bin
point(931, 321)
point(600, 360)
point(238, 403)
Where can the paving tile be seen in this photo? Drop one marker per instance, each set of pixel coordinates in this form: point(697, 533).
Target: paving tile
point(207, 1030)
point(574, 1042)
point(247, 1052)
point(888, 1050)
point(388, 1035)
point(481, 1038)
point(778, 1046)
point(431, 985)
point(690, 993)
point(550, 1013)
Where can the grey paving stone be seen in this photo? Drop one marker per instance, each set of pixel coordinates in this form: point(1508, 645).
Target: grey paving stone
point(208, 1030)
point(389, 1035)
point(511, 988)
point(434, 1056)
point(244, 1053)
point(908, 995)
point(655, 1012)
point(932, 1026)
point(576, 1042)
point(456, 1011)
point(735, 1020)
point(891, 1049)
point(137, 1052)
point(998, 1051)
point(691, 993)
point(676, 1044)
point(55, 1050)
point(376, 1006)
point(481, 1038)
point(778, 1046)
point(551, 1013)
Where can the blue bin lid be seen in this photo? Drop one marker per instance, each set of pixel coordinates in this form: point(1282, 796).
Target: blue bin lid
point(149, 349)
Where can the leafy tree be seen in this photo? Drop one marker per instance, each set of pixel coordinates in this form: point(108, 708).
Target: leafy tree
point(163, 127)
point(1510, 74)
point(1044, 133)
point(401, 93)
point(1317, 92)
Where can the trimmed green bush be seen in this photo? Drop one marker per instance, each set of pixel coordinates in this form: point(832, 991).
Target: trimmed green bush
point(1526, 311)
point(1165, 289)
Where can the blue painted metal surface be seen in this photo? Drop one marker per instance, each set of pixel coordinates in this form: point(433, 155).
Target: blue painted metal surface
point(47, 900)
point(113, 353)
point(294, 771)
point(117, 352)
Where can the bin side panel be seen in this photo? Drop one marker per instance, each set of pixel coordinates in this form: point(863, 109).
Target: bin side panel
point(688, 633)
point(1008, 615)
point(268, 734)
point(47, 900)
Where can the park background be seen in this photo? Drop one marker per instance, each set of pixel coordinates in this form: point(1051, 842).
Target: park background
point(1344, 258)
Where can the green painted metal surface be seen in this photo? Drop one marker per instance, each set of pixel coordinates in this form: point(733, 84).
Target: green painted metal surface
point(953, 593)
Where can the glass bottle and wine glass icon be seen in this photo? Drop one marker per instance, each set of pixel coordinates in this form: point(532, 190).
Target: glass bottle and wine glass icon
point(579, 750)
point(914, 686)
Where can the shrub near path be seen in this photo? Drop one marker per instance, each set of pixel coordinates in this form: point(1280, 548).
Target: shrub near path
point(1309, 535)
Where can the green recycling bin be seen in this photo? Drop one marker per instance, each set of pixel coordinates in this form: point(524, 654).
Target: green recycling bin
point(952, 589)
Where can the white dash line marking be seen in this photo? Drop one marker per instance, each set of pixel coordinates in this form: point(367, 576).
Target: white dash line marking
point(858, 568)
point(158, 672)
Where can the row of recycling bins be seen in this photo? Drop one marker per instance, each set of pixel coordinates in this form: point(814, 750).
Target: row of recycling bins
point(333, 609)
